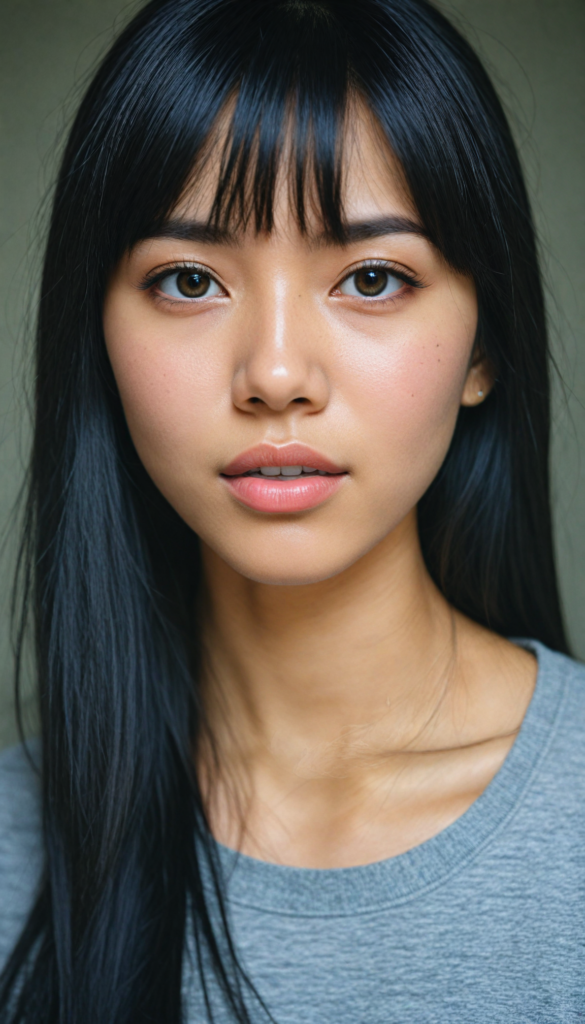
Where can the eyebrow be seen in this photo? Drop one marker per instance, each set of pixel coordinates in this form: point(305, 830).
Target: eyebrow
point(362, 230)
point(193, 231)
point(184, 230)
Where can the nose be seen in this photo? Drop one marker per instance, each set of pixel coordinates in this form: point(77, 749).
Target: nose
point(280, 365)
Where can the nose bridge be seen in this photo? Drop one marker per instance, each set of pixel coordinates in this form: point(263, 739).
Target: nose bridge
point(274, 344)
point(280, 364)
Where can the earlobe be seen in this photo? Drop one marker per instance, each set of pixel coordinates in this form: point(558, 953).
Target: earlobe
point(478, 384)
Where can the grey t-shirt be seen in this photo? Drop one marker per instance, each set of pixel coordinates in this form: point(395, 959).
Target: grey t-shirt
point(483, 923)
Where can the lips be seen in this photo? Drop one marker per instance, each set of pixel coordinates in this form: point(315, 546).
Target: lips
point(282, 478)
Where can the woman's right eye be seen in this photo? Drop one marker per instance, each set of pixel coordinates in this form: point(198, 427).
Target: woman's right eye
point(189, 284)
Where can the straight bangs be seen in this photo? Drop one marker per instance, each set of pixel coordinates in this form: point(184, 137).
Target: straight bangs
point(288, 124)
point(262, 110)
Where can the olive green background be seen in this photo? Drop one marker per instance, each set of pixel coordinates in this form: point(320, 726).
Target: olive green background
point(535, 50)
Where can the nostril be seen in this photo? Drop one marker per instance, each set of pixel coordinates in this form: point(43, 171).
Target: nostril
point(254, 399)
point(300, 399)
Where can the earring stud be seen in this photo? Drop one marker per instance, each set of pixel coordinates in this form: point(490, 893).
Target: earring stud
point(480, 394)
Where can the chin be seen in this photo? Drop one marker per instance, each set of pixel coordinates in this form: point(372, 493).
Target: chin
point(287, 575)
point(275, 566)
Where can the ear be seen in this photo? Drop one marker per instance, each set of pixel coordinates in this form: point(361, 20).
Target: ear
point(479, 381)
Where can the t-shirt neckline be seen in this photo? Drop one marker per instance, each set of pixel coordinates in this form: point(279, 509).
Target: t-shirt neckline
point(320, 892)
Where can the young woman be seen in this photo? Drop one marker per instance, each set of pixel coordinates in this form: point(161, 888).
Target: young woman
point(312, 749)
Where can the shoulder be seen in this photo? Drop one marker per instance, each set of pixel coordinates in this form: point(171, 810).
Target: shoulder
point(558, 672)
point(21, 849)
point(561, 686)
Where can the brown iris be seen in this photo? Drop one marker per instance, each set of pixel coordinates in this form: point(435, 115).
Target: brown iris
point(193, 284)
point(370, 280)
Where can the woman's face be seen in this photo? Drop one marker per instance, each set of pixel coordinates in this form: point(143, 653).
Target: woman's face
point(231, 352)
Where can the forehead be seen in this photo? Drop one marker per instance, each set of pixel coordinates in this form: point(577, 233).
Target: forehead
point(372, 175)
point(371, 183)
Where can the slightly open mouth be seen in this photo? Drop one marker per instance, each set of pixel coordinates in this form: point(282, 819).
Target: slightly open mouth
point(286, 472)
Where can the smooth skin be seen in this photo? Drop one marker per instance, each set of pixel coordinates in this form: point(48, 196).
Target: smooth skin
point(355, 713)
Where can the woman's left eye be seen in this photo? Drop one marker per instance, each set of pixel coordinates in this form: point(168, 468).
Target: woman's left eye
point(371, 283)
point(189, 284)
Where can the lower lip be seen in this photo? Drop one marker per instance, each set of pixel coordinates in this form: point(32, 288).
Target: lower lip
point(295, 495)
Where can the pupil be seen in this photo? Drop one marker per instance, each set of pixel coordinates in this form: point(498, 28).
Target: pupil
point(371, 282)
point(193, 286)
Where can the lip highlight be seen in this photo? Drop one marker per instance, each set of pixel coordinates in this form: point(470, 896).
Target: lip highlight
point(290, 494)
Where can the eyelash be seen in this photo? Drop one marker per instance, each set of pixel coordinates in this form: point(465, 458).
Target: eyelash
point(154, 277)
point(400, 274)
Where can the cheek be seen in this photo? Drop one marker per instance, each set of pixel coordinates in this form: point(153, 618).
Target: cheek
point(171, 391)
point(407, 396)
point(427, 382)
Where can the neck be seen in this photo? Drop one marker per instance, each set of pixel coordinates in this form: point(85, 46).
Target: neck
point(318, 670)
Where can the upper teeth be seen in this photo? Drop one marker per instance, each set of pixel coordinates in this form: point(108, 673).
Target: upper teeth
point(287, 470)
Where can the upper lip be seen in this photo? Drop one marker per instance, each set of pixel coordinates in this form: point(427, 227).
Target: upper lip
point(292, 454)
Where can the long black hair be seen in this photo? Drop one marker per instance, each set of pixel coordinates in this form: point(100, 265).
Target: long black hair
point(109, 571)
